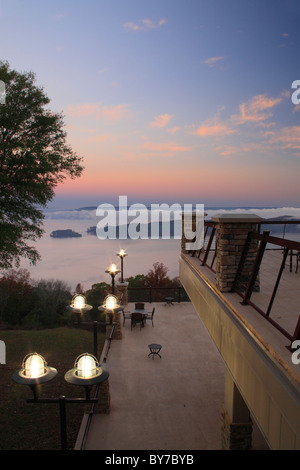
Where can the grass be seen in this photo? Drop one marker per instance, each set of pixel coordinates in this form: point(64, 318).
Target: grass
point(36, 426)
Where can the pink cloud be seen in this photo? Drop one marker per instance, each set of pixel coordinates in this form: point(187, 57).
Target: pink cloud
point(85, 109)
point(112, 113)
point(164, 149)
point(229, 150)
point(213, 61)
point(287, 137)
point(115, 113)
point(257, 109)
point(173, 130)
point(218, 129)
point(161, 121)
point(262, 102)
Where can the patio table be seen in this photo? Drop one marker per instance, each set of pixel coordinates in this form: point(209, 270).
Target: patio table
point(154, 349)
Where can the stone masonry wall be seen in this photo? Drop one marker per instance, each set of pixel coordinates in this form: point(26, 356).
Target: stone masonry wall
point(230, 240)
point(235, 436)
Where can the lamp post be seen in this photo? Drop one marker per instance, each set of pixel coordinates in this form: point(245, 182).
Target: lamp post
point(122, 255)
point(35, 372)
point(112, 270)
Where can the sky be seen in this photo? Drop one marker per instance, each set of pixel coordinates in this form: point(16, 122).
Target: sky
point(177, 101)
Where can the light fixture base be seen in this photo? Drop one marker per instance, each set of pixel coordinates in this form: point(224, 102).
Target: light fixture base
point(72, 377)
point(20, 377)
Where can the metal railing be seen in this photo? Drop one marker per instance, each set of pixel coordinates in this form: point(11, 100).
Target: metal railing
point(266, 242)
point(246, 289)
point(156, 294)
point(207, 254)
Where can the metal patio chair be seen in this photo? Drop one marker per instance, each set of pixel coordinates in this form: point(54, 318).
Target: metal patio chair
point(136, 318)
point(150, 316)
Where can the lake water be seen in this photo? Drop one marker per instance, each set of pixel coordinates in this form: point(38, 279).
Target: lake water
point(84, 260)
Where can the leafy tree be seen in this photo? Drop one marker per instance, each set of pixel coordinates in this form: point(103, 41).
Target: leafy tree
point(137, 281)
point(136, 284)
point(95, 297)
point(97, 293)
point(79, 289)
point(38, 304)
point(34, 158)
point(17, 297)
point(157, 277)
point(51, 297)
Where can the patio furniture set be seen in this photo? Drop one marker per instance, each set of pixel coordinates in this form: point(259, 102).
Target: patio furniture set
point(139, 315)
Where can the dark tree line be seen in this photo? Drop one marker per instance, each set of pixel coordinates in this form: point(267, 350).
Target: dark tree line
point(43, 303)
point(27, 303)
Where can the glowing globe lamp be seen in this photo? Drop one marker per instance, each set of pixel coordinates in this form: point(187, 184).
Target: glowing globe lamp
point(79, 301)
point(79, 304)
point(86, 372)
point(111, 302)
point(34, 372)
point(87, 366)
point(34, 366)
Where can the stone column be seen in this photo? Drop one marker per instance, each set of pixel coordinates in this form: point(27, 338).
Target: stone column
point(117, 334)
point(122, 292)
point(236, 421)
point(232, 232)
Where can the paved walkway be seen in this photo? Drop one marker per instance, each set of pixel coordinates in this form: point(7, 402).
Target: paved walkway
point(172, 403)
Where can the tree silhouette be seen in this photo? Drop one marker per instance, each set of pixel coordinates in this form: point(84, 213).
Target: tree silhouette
point(34, 158)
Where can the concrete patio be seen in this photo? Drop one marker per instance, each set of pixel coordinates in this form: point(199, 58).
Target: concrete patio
point(173, 402)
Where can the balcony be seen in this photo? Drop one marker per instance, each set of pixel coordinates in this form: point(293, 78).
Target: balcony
point(248, 298)
point(226, 379)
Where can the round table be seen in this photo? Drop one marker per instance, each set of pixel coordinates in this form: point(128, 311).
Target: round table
point(154, 349)
point(169, 300)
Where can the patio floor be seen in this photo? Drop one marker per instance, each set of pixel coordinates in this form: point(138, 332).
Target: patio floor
point(173, 402)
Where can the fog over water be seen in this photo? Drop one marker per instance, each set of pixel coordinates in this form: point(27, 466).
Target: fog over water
point(85, 259)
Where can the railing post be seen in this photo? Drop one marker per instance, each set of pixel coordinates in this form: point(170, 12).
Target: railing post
point(212, 234)
point(285, 253)
point(242, 262)
point(256, 267)
point(296, 335)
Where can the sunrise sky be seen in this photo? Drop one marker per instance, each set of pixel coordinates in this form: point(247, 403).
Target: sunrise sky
point(168, 100)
